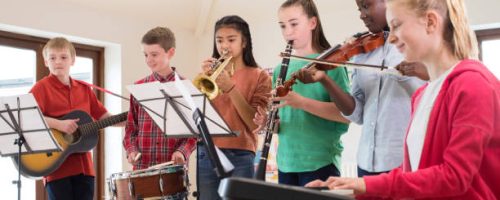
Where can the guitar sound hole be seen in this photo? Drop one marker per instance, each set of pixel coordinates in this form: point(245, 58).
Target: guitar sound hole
point(72, 138)
point(76, 135)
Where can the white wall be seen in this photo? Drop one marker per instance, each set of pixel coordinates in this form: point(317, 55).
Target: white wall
point(121, 38)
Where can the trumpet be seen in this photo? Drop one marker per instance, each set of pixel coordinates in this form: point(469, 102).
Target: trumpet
point(205, 82)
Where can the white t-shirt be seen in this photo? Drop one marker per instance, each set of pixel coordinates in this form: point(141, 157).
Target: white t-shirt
point(418, 127)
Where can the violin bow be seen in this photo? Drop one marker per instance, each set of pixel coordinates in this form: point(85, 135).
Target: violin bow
point(332, 63)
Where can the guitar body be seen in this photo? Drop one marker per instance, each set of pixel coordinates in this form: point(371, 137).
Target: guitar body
point(83, 140)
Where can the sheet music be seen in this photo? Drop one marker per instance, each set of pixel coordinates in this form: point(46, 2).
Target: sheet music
point(33, 125)
point(149, 95)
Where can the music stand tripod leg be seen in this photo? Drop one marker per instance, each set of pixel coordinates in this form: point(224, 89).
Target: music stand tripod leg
point(19, 142)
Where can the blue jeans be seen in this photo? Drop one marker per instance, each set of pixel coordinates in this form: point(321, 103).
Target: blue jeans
point(71, 187)
point(208, 182)
point(362, 172)
point(302, 178)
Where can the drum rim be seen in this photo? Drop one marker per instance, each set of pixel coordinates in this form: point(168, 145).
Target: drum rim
point(171, 169)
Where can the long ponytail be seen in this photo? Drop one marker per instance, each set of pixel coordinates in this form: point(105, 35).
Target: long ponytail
point(463, 42)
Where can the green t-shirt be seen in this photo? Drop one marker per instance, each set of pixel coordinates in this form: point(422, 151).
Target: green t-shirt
point(308, 142)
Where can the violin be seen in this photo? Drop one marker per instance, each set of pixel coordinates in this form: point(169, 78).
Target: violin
point(338, 56)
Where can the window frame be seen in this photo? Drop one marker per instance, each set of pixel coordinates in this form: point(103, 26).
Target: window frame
point(486, 34)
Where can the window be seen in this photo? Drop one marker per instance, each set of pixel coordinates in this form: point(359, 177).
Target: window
point(20, 80)
point(489, 46)
point(83, 69)
point(22, 65)
point(16, 82)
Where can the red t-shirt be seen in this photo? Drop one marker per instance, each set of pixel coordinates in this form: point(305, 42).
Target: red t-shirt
point(56, 100)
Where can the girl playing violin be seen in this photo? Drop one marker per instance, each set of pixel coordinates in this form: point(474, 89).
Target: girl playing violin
point(379, 101)
point(452, 144)
point(309, 141)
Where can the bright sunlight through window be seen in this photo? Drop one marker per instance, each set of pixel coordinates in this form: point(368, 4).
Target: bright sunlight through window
point(17, 77)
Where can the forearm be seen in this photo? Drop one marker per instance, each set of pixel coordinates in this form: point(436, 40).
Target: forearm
point(52, 122)
point(245, 111)
point(130, 138)
point(326, 110)
point(186, 146)
point(343, 101)
point(131, 127)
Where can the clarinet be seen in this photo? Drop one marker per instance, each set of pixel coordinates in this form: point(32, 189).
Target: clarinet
point(272, 115)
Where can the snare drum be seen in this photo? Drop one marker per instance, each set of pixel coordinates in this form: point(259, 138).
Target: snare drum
point(167, 182)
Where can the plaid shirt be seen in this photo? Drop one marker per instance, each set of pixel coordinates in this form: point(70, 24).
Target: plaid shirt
point(143, 135)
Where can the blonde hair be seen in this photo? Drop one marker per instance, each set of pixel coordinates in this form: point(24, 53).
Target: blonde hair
point(457, 33)
point(59, 43)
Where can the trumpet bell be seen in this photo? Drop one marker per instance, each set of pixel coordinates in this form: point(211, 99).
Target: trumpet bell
point(206, 83)
point(207, 86)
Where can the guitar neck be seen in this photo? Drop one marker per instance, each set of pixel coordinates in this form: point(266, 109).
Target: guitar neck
point(103, 123)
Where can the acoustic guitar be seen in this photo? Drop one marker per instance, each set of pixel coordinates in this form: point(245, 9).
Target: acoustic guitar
point(83, 140)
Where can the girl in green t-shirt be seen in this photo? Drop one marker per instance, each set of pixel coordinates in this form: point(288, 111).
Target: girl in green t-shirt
point(310, 124)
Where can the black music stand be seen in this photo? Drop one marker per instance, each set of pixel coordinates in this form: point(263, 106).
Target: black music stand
point(23, 130)
point(169, 110)
point(184, 99)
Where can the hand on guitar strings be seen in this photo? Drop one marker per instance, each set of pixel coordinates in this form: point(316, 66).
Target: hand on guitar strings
point(67, 126)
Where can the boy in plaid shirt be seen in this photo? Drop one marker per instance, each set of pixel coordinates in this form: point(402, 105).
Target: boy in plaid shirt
point(141, 133)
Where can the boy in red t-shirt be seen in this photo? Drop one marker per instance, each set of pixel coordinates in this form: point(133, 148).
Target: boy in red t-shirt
point(58, 94)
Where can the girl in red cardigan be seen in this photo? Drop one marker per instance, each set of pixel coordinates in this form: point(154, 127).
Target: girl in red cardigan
point(452, 148)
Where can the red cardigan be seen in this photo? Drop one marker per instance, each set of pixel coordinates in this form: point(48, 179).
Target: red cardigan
point(461, 152)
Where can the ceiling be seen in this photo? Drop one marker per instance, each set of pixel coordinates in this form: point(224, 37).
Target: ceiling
point(195, 14)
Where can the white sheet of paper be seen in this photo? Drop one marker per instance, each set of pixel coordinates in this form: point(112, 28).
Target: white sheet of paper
point(184, 91)
point(175, 126)
point(226, 164)
point(30, 121)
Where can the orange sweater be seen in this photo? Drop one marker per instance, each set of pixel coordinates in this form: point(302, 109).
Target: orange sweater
point(255, 86)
